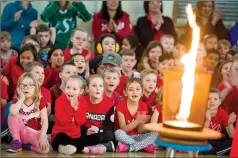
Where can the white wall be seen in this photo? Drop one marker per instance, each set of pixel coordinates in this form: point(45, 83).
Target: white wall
point(133, 8)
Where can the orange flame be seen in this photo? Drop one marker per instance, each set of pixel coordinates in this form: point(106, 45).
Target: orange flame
point(189, 61)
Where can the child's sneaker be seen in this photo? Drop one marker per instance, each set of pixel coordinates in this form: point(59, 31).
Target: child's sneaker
point(15, 146)
point(110, 146)
point(98, 149)
point(150, 149)
point(122, 148)
point(26, 146)
point(67, 149)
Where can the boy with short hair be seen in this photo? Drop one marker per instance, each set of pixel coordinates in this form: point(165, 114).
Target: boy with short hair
point(218, 119)
point(111, 79)
point(128, 63)
point(149, 81)
point(223, 47)
point(6, 51)
point(166, 61)
point(167, 42)
point(37, 69)
point(210, 41)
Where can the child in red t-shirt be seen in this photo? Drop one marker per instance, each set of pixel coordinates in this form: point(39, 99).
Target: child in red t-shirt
point(79, 40)
point(111, 79)
point(149, 79)
point(217, 119)
point(131, 115)
point(157, 110)
point(37, 69)
point(4, 98)
point(166, 61)
point(28, 121)
point(234, 151)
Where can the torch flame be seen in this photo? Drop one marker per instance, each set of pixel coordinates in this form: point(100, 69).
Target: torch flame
point(189, 61)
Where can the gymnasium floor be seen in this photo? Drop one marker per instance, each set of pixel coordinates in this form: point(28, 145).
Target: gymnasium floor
point(159, 153)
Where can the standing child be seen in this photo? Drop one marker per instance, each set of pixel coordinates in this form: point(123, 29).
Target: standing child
point(167, 42)
point(149, 81)
point(6, 52)
point(210, 41)
point(131, 113)
point(37, 69)
point(82, 65)
point(151, 56)
point(63, 16)
point(166, 61)
point(217, 119)
point(107, 44)
point(128, 62)
point(223, 47)
point(111, 79)
point(28, 121)
point(79, 40)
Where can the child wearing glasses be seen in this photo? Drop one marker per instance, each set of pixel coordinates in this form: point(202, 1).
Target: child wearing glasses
point(28, 120)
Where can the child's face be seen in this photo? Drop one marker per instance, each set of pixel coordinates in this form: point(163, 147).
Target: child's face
point(80, 63)
point(38, 74)
point(26, 57)
point(125, 44)
point(149, 82)
point(96, 88)
point(5, 45)
point(68, 70)
point(168, 44)
point(57, 58)
point(164, 65)
point(107, 66)
point(27, 87)
point(100, 69)
point(44, 38)
point(111, 81)
point(234, 73)
point(211, 43)
point(211, 61)
point(72, 88)
point(108, 45)
point(201, 52)
point(128, 63)
point(79, 39)
point(226, 71)
point(179, 51)
point(223, 50)
point(213, 101)
point(33, 43)
point(134, 92)
point(88, 43)
point(154, 54)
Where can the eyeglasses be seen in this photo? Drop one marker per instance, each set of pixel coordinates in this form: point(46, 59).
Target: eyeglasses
point(26, 86)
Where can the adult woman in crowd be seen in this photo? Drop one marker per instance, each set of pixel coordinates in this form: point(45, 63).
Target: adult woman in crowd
point(62, 15)
point(208, 20)
point(153, 25)
point(111, 19)
point(17, 19)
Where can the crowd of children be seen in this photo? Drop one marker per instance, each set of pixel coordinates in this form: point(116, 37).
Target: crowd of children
point(59, 92)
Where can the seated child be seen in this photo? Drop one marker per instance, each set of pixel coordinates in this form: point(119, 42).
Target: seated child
point(37, 69)
point(3, 99)
point(211, 60)
point(131, 113)
point(107, 44)
point(151, 56)
point(96, 66)
point(210, 41)
point(28, 121)
point(55, 60)
point(166, 61)
point(128, 62)
point(6, 51)
point(70, 114)
point(218, 119)
point(149, 81)
point(223, 47)
point(167, 42)
point(79, 40)
point(82, 65)
point(111, 79)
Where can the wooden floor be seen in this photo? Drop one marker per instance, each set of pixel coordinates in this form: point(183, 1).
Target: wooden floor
point(159, 153)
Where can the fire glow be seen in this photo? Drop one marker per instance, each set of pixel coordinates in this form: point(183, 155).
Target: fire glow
point(189, 61)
